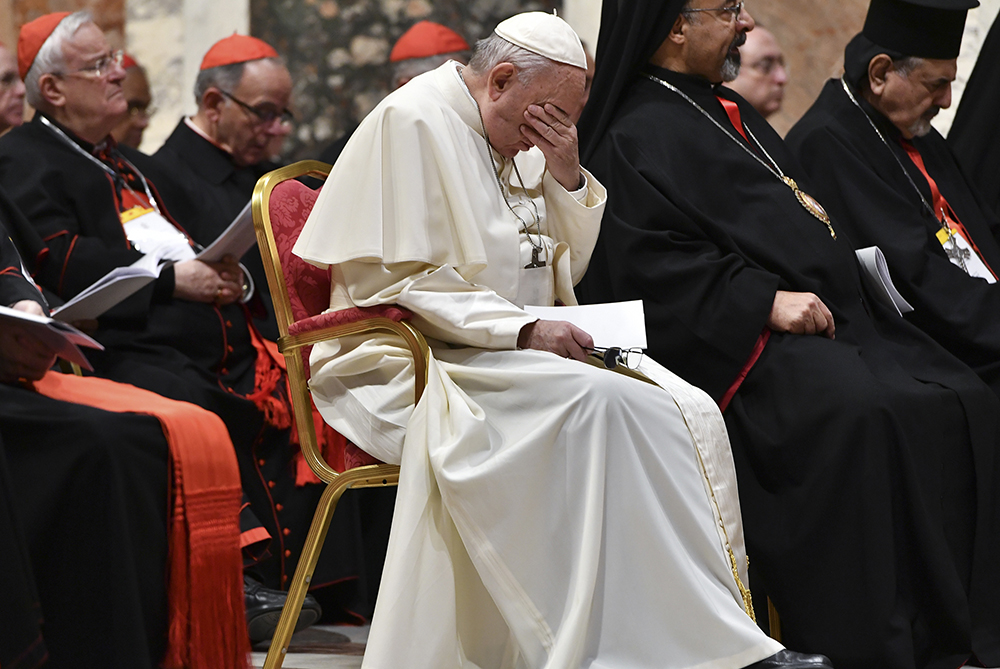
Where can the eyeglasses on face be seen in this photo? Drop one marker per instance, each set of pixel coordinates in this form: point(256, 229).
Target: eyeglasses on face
point(730, 12)
point(137, 109)
point(265, 114)
point(101, 68)
point(614, 356)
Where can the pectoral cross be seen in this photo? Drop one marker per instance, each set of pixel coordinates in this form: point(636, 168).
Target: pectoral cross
point(535, 260)
point(955, 253)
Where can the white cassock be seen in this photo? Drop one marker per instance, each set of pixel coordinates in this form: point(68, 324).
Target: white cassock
point(549, 513)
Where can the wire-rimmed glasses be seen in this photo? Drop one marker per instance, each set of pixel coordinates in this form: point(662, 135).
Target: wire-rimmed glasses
point(614, 356)
point(266, 115)
point(733, 10)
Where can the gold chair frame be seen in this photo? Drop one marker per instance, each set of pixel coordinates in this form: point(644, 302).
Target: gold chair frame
point(367, 476)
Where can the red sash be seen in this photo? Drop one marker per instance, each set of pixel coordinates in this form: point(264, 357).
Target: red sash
point(942, 210)
point(205, 584)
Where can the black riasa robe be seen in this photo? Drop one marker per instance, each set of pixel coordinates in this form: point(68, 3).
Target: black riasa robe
point(83, 516)
point(865, 463)
point(866, 190)
point(189, 351)
point(224, 189)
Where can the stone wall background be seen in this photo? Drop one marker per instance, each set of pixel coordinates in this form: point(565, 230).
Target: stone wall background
point(338, 52)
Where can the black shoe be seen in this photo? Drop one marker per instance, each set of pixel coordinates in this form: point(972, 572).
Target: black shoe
point(789, 659)
point(264, 610)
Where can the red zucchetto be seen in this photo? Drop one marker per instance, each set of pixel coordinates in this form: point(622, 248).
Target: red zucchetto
point(426, 39)
point(33, 36)
point(237, 49)
point(128, 61)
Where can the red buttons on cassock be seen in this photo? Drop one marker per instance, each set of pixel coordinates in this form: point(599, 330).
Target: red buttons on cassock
point(288, 553)
point(261, 462)
point(270, 484)
point(278, 507)
point(286, 531)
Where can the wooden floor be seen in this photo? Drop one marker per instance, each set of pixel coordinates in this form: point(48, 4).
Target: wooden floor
point(321, 647)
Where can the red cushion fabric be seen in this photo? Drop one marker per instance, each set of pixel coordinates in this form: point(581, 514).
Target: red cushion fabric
point(309, 295)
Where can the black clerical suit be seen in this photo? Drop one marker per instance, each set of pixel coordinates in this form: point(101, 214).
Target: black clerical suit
point(88, 489)
point(862, 181)
point(224, 188)
point(191, 351)
point(866, 463)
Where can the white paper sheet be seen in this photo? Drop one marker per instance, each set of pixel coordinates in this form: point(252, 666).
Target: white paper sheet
point(235, 240)
point(621, 324)
point(63, 338)
point(109, 290)
point(879, 281)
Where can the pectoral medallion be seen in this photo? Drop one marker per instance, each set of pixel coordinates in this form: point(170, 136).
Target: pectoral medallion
point(810, 204)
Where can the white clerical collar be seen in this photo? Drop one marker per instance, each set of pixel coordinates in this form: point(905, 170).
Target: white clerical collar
point(457, 71)
point(189, 122)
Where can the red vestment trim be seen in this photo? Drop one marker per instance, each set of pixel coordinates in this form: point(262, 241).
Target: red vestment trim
point(758, 348)
point(941, 205)
point(733, 112)
point(205, 585)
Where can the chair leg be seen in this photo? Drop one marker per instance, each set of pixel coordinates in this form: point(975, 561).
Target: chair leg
point(773, 621)
point(303, 574)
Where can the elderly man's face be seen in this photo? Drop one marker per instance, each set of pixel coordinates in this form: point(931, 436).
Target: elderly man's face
point(11, 91)
point(910, 101)
point(96, 98)
point(762, 73)
point(503, 115)
point(265, 89)
point(714, 37)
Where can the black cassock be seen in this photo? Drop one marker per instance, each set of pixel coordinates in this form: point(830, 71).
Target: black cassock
point(973, 134)
point(189, 351)
point(218, 190)
point(866, 463)
point(83, 515)
point(861, 180)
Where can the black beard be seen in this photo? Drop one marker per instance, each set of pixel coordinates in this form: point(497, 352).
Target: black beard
point(731, 66)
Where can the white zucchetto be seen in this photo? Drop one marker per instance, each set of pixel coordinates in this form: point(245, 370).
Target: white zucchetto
point(544, 34)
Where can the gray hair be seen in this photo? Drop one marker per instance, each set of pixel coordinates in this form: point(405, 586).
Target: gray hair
point(411, 67)
point(493, 50)
point(906, 64)
point(50, 58)
point(224, 77)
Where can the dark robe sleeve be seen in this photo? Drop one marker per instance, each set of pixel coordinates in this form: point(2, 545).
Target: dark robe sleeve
point(957, 310)
point(13, 286)
point(705, 307)
point(77, 257)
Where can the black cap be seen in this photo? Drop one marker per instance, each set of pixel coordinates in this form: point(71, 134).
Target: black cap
point(921, 28)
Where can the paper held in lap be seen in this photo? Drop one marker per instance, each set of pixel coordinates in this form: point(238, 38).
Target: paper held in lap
point(122, 282)
point(620, 324)
point(879, 282)
point(62, 338)
point(109, 290)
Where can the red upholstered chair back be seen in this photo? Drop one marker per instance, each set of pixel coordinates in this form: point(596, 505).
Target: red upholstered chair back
point(308, 285)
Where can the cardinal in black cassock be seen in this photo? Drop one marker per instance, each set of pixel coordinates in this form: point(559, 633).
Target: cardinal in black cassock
point(887, 183)
point(866, 462)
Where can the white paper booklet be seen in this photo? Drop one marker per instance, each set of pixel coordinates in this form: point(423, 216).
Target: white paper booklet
point(235, 240)
point(63, 338)
point(879, 281)
point(621, 324)
point(109, 290)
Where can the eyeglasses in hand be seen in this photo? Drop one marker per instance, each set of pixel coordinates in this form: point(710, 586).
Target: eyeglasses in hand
point(614, 356)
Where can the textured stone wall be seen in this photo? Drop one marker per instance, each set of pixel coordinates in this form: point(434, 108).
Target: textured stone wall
point(338, 52)
point(109, 14)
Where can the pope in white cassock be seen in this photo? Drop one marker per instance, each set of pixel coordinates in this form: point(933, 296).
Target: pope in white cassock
point(550, 513)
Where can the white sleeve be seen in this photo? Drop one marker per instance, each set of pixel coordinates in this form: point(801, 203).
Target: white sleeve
point(445, 306)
